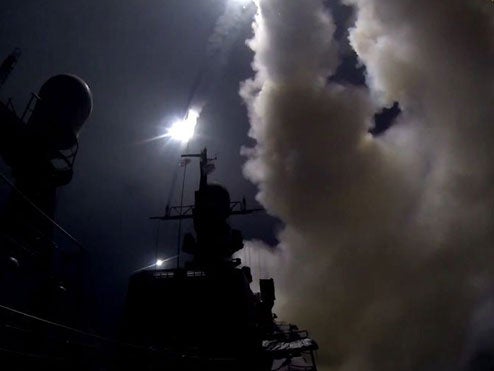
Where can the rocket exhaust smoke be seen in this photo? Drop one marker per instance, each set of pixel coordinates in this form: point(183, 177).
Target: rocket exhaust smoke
point(389, 239)
point(226, 31)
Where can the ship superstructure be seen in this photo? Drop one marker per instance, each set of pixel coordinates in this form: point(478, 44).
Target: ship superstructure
point(38, 147)
point(204, 315)
point(201, 315)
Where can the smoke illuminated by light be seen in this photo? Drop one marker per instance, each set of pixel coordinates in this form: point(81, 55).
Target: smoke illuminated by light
point(409, 299)
point(183, 130)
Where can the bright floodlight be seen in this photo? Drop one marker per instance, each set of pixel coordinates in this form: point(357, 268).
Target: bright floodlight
point(159, 262)
point(183, 130)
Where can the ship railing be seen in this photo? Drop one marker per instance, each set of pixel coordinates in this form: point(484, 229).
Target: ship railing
point(30, 338)
point(45, 344)
point(287, 343)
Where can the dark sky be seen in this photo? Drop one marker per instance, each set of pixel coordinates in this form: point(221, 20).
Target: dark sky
point(140, 59)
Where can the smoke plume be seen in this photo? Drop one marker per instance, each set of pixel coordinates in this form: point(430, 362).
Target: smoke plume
point(228, 28)
point(387, 244)
point(226, 32)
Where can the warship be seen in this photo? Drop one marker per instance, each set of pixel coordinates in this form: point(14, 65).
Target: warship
point(201, 315)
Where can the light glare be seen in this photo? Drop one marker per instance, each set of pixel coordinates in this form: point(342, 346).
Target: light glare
point(159, 262)
point(183, 130)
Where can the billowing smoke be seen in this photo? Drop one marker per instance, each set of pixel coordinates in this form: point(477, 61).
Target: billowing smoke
point(388, 251)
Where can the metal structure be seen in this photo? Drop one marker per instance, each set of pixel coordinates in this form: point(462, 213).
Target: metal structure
point(202, 316)
point(187, 212)
point(39, 148)
point(8, 65)
point(41, 154)
point(205, 313)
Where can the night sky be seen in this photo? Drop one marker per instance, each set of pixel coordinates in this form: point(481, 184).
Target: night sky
point(140, 60)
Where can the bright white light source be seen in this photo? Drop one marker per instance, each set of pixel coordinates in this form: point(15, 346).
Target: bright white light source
point(183, 130)
point(159, 263)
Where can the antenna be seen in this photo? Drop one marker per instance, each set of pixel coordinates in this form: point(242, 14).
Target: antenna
point(187, 211)
point(8, 65)
point(215, 241)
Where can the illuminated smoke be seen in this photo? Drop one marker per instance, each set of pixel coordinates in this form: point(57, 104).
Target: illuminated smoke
point(228, 27)
point(388, 242)
point(226, 32)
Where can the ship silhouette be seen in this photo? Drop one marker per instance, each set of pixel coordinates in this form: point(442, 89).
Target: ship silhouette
point(201, 315)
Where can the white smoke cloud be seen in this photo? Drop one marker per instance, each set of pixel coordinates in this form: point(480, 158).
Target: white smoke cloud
point(228, 28)
point(388, 240)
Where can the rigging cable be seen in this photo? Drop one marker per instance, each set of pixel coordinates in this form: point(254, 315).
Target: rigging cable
point(99, 337)
point(41, 212)
point(179, 238)
point(168, 201)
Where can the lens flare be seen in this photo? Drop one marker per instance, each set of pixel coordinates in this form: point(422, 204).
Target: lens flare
point(183, 130)
point(158, 263)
